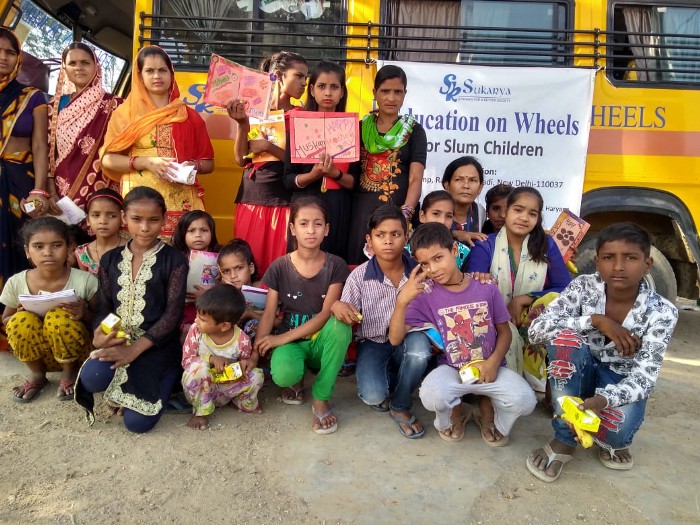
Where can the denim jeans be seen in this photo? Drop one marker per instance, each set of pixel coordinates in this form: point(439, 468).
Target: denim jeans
point(574, 371)
point(384, 370)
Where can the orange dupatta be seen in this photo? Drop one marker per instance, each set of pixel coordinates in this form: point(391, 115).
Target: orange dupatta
point(138, 115)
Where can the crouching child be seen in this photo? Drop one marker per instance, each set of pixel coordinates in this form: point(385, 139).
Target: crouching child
point(213, 343)
point(606, 335)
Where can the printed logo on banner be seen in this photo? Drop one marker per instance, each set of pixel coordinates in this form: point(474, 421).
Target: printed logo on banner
point(470, 90)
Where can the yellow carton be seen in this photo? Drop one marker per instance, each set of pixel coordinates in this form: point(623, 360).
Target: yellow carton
point(469, 373)
point(584, 419)
point(113, 322)
point(232, 372)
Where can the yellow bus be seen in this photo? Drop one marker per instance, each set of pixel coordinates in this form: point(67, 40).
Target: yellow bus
point(644, 148)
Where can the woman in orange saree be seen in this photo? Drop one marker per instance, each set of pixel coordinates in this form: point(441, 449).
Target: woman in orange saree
point(151, 131)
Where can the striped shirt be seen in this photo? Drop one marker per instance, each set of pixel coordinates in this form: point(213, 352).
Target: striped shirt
point(374, 295)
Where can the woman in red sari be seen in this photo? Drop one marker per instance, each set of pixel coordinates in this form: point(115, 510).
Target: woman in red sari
point(78, 117)
point(152, 130)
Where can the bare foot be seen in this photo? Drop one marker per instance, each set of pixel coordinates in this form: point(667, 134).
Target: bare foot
point(324, 418)
point(539, 458)
point(198, 422)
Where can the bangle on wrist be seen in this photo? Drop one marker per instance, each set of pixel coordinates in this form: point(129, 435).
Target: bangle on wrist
point(42, 193)
point(296, 182)
point(407, 210)
point(132, 163)
point(340, 176)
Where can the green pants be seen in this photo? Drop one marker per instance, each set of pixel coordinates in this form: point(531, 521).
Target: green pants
point(325, 352)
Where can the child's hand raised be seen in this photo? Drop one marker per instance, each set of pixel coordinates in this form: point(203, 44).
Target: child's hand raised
point(346, 313)
point(415, 286)
point(218, 363)
point(625, 341)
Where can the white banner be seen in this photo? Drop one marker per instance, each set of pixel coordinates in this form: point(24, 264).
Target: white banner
point(526, 126)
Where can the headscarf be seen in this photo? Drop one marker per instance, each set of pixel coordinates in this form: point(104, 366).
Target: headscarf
point(73, 120)
point(138, 115)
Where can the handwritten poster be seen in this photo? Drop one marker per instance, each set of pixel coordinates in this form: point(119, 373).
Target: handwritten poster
point(272, 130)
point(311, 133)
point(228, 81)
point(568, 232)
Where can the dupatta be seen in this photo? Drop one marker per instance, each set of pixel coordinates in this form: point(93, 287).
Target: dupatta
point(138, 115)
point(76, 133)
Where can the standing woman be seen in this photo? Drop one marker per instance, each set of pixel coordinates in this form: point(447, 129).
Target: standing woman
point(78, 117)
point(23, 155)
point(394, 151)
point(262, 203)
point(153, 129)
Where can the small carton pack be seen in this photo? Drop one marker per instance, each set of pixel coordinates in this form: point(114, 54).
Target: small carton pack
point(232, 372)
point(584, 419)
point(469, 373)
point(113, 323)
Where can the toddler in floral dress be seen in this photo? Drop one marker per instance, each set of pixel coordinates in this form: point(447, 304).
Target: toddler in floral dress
point(214, 342)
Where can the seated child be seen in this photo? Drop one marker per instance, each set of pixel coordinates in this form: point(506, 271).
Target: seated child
point(496, 204)
point(439, 206)
point(606, 336)
point(237, 267)
point(195, 230)
point(472, 320)
point(213, 342)
point(60, 339)
point(464, 180)
point(386, 374)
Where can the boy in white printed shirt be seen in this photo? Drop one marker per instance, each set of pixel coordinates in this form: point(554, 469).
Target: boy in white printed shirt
point(606, 336)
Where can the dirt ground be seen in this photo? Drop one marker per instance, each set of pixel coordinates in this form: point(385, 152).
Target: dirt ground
point(271, 468)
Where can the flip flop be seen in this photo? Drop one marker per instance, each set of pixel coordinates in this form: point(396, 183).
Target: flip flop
point(612, 464)
point(63, 386)
point(298, 398)
point(26, 386)
point(551, 456)
point(177, 405)
point(461, 421)
point(492, 427)
point(408, 422)
point(321, 430)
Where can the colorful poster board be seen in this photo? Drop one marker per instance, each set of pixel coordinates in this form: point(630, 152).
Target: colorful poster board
point(270, 129)
point(568, 232)
point(311, 133)
point(229, 81)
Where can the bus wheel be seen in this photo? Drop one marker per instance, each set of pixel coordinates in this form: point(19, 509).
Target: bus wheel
point(661, 279)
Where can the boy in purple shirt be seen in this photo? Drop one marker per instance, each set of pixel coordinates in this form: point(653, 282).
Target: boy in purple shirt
point(472, 320)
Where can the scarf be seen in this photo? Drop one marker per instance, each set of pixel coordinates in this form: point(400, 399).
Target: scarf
point(395, 138)
point(530, 275)
point(76, 117)
point(138, 115)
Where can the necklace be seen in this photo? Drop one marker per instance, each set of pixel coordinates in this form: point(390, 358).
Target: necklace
point(456, 284)
point(119, 243)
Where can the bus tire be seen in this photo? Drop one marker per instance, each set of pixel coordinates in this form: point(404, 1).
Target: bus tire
point(661, 278)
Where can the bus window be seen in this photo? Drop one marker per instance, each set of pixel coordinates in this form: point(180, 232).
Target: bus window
point(519, 32)
point(526, 35)
point(44, 37)
point(656, 43)
point(248, 30)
